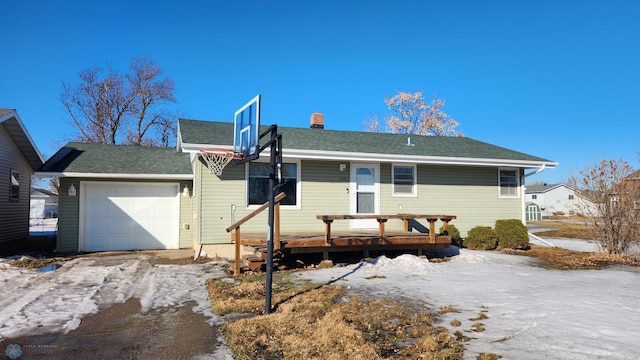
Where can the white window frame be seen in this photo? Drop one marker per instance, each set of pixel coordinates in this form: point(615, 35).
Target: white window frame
point(298, 204)
point(517, 187)
point(414, 186)
point(14, 175)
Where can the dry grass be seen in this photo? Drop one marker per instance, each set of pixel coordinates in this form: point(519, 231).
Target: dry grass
point(31, 263)
point(323, 322)
point(564, 259)
point(563, 229)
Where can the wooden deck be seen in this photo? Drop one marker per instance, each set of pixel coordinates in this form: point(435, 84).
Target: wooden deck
point(340, 241)
point(345, 241)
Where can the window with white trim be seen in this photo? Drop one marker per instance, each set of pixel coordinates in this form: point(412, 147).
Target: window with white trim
point(508, 182)
point(14, 186)
point(404, 180)
point(258, 183)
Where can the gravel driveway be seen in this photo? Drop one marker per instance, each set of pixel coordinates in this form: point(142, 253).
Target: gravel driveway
point(135, 305)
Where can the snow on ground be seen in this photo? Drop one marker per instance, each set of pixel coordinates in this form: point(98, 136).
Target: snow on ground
point(571, 244)
point(34, 302)
point(533, 313)
point(42, 227)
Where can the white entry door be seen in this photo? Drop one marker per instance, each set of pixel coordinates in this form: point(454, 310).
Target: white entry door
point(365, 194)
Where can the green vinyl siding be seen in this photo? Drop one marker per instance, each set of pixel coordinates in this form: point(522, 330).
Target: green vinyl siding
point(323, 191)
point(186, 215)
point(470, 193)
point(68, 216)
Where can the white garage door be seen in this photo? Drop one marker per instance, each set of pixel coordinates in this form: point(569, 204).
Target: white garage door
point(129, 216)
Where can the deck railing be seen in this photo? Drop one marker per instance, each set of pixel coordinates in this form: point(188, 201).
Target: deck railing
point(235, 227)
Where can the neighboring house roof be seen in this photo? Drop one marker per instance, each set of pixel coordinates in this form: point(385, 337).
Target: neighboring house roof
point(541, 188)
point(351, 145)
point(117, 161)
point(42, 193)
point(11, 121)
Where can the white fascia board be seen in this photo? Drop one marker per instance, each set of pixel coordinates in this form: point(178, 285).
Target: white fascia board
point(195, 148)
point(397, 158)
point(115, 176)
point(14, 114)
point(414, 159)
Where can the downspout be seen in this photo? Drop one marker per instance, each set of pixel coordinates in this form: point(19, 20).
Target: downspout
point(539, 170)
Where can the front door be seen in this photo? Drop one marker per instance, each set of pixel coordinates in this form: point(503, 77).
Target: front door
point(365, 194)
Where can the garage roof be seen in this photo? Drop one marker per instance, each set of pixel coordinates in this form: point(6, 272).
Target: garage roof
point(117, 161)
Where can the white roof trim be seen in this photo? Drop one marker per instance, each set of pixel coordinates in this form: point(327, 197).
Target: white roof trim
point(398, 158)
point(116, 176)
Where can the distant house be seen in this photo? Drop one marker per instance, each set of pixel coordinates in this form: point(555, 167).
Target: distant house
point(19, 158)
point(552, 199)
point(44, 204)
point(127, 197)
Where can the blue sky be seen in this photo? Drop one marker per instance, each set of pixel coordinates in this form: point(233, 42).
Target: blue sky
point(555, 79)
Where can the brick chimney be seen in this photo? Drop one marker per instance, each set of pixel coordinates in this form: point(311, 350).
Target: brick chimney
point(317, 120)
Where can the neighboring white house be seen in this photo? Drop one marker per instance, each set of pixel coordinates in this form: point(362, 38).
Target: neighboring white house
point(43, 204)
point(552, 199)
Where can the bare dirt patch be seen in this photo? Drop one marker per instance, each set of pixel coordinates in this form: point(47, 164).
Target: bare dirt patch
point(122, 332)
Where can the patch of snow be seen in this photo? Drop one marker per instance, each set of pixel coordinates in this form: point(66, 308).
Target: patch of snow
point(34, 303)
point(533, 313)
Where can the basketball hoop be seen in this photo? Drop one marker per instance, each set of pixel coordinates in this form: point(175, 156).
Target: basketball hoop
point(217, 158)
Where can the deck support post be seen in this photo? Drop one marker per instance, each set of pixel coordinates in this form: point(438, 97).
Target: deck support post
point(236, 270)
point(381, 223)
point(432, 229)
point(327, 232)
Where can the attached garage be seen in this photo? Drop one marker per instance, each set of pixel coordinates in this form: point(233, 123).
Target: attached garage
point(118, 198)
point(129, 216)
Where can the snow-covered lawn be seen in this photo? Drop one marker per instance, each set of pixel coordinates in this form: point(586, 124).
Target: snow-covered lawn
point(34, 302)
point(533, 313)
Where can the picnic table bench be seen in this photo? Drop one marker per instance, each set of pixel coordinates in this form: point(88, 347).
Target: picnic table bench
point(382, 219)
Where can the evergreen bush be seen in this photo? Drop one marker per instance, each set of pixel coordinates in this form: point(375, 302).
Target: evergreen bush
point(453, 232)
point(512, 234)
point(481, 238)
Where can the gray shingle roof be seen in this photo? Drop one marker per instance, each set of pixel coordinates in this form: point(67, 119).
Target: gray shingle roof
point(540, 188)
point(117, 159)
point(221, 133)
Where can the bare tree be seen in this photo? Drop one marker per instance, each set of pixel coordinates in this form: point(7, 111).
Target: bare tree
point(113, 108)
point(410, 114)
point(610, 202)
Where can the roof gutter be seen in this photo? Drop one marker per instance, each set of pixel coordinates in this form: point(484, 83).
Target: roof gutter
point(376, 157)
point(115, 176)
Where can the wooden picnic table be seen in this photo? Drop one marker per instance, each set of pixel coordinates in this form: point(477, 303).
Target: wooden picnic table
point(382, 219)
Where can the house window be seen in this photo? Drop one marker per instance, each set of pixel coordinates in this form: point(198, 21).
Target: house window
point(508, 183)
point(258, 183)
point(15, 185)
point(404, 180)
point(533, 197)
point(570, 197)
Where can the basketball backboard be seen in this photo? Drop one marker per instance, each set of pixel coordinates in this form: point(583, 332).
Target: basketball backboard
point(246, 128)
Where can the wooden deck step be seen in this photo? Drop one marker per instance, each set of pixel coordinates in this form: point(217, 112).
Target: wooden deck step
point(255, 263)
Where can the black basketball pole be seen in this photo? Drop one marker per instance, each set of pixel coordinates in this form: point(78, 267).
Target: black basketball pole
point(273, 157)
